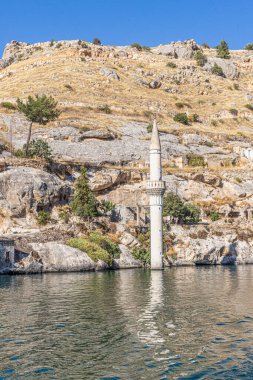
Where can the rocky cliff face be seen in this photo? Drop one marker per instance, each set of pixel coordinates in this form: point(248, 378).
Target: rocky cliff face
point(108, 97)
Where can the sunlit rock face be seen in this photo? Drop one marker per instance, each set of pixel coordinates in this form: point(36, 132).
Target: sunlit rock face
point(26, 189)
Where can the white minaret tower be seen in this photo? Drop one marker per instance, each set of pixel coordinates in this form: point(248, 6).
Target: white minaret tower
point(155, 189)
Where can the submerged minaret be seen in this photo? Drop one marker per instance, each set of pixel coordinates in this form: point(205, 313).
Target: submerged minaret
point(155, 189)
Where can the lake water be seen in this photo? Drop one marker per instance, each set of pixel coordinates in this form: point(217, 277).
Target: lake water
point(182, 323)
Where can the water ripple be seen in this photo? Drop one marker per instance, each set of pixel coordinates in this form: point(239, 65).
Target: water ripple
point(183, 323)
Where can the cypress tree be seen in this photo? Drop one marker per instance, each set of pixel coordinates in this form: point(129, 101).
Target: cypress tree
point(84, 203)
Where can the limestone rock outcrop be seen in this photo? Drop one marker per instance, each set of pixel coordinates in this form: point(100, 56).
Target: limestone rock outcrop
point(23, 189)
point(185, 49)
point(197, 245)
point(109, 73)
point(228, 67)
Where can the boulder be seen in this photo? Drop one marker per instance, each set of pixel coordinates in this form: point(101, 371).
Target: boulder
point(126, 259)
point(129, 240)
point(155, 84)
point(58, 257)
point(185, 50)
point(101, 265)
point(109, 73)
point(228, 67)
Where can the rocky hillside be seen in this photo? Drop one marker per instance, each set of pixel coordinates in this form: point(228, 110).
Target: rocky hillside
point(108, 96)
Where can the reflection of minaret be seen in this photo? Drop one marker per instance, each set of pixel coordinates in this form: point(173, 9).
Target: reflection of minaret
point(148, 327)
point(155, 189)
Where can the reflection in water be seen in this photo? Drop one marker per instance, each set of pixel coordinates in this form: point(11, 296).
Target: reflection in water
point(183, 323)
point(149, 331)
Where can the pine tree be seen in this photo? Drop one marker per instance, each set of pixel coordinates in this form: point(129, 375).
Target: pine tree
point(38, 109)
point(223, 50)
point(84, 203)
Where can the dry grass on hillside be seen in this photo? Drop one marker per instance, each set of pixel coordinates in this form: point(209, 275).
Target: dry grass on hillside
point(81, 90)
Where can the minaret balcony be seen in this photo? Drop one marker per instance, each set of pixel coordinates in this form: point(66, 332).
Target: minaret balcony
point(155, 187)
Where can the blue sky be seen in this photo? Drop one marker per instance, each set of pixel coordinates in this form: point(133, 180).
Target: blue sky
point(122, 22)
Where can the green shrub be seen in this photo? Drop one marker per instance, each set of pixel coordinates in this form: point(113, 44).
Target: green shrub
point(233, 111)
point(96, 41)
point(214, 215)
point(82, 44)
point(194, 118)
point(236, 86)
point(43, 217)
point(249, 106)
point(180, 211)
point(205, 45)
point(146, 48)
point(8, 105)
point(106, 243)
point(196, 160)
point(105, 108)
point(142, 254)
point(181, 118)
point(51, 43)
point(39, 148)
point(136, 46)
point(217, 70)
point(214, 123)
point(223, 50)
point(238, 180)
point(20, 153)
point(93, 250)
point(172, 65)
point(106, 206)
point(64, 215)
point(59, 45)
point(150, 128)
point(249, 46)
point(200, 58)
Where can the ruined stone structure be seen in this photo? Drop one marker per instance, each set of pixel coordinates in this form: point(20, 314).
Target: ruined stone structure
point(156, 189)
point(7, 253)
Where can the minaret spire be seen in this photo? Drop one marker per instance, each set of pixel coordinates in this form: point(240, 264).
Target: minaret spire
point(155, 140)
point(155, 189)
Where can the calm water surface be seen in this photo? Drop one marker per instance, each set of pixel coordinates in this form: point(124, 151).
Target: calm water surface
point(183, 323)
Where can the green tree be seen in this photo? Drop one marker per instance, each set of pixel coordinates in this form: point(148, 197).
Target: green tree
point(200, 58)
point(223, 50)
point(178, 210)
point(84, 203)
point(249, 46)
point(38, 109)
